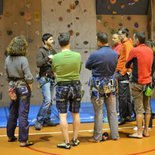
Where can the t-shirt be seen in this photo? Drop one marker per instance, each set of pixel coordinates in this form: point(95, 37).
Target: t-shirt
point(67, 65)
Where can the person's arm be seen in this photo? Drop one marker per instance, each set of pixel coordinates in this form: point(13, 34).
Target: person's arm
point(153, 66)
point(130, 59)
point(81, 63)
point(127, 49)
point(26, 70)
point(6, 70)
point(89, 62)
point(41, 58)
point(81, 66)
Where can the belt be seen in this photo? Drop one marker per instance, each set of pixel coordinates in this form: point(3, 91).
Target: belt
point(125, 81)
point(64, 83)
point(15, 79)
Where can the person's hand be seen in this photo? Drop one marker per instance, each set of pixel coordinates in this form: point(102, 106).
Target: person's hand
point(129, 75)
point(30, 86)
point(50, 58)
point(117, 75)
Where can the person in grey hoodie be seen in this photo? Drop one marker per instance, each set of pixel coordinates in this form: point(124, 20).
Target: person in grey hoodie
point(20, 81)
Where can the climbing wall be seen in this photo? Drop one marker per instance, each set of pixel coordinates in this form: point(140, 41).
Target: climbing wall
point(26, 17)
point(79, 19)
point(111, 23)
point(32, 18)
point(20, 18)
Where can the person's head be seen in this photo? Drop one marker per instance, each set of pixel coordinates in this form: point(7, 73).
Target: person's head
point(102, 39)
point(139, 38)
point(123, 33)
point(115, 38)
point(47, 39)
point(151, 44)
point(17, 47)
point(64, 39)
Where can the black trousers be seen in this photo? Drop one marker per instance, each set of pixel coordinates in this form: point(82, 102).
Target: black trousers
point(124, 97)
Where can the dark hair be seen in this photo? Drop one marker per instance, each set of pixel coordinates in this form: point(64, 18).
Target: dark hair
point(124, 31)
point(102, 37)
point(140, 36)
point(64, 38)
point(150, 43)
point(17, 47)
point(46, 36)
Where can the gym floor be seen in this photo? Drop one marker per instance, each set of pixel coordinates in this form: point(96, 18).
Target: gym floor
point(45, 142)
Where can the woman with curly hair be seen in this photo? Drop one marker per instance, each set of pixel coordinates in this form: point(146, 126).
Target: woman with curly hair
point(20, 81)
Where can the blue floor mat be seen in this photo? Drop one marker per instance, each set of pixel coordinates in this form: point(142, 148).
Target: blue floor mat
point(86, 114)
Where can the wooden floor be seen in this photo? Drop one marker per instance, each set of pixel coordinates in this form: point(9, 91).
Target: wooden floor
point(47, 139)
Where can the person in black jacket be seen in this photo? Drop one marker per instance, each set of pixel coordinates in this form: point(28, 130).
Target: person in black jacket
point(46, 81)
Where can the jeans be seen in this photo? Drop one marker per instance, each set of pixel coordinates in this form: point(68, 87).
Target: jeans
point(19, 109)
point(46, 86)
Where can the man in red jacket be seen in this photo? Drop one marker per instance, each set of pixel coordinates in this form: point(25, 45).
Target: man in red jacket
point(141, 59)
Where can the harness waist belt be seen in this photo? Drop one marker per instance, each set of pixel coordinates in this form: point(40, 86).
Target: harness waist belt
point(64, 83)
point(15, 79)
point(125, 81)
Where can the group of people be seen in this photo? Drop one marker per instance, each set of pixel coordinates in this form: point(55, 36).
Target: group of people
point(114, 70)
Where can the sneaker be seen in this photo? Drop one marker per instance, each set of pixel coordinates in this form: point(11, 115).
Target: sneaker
point(12, 139)
point(26, 144)
point(92, 140)
point(130, 119)
point(49, 123)
point(37, 125)
point(122, 121)
point(135, 135)
point(136, 128)
point(64, 145)
point(75, 142)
